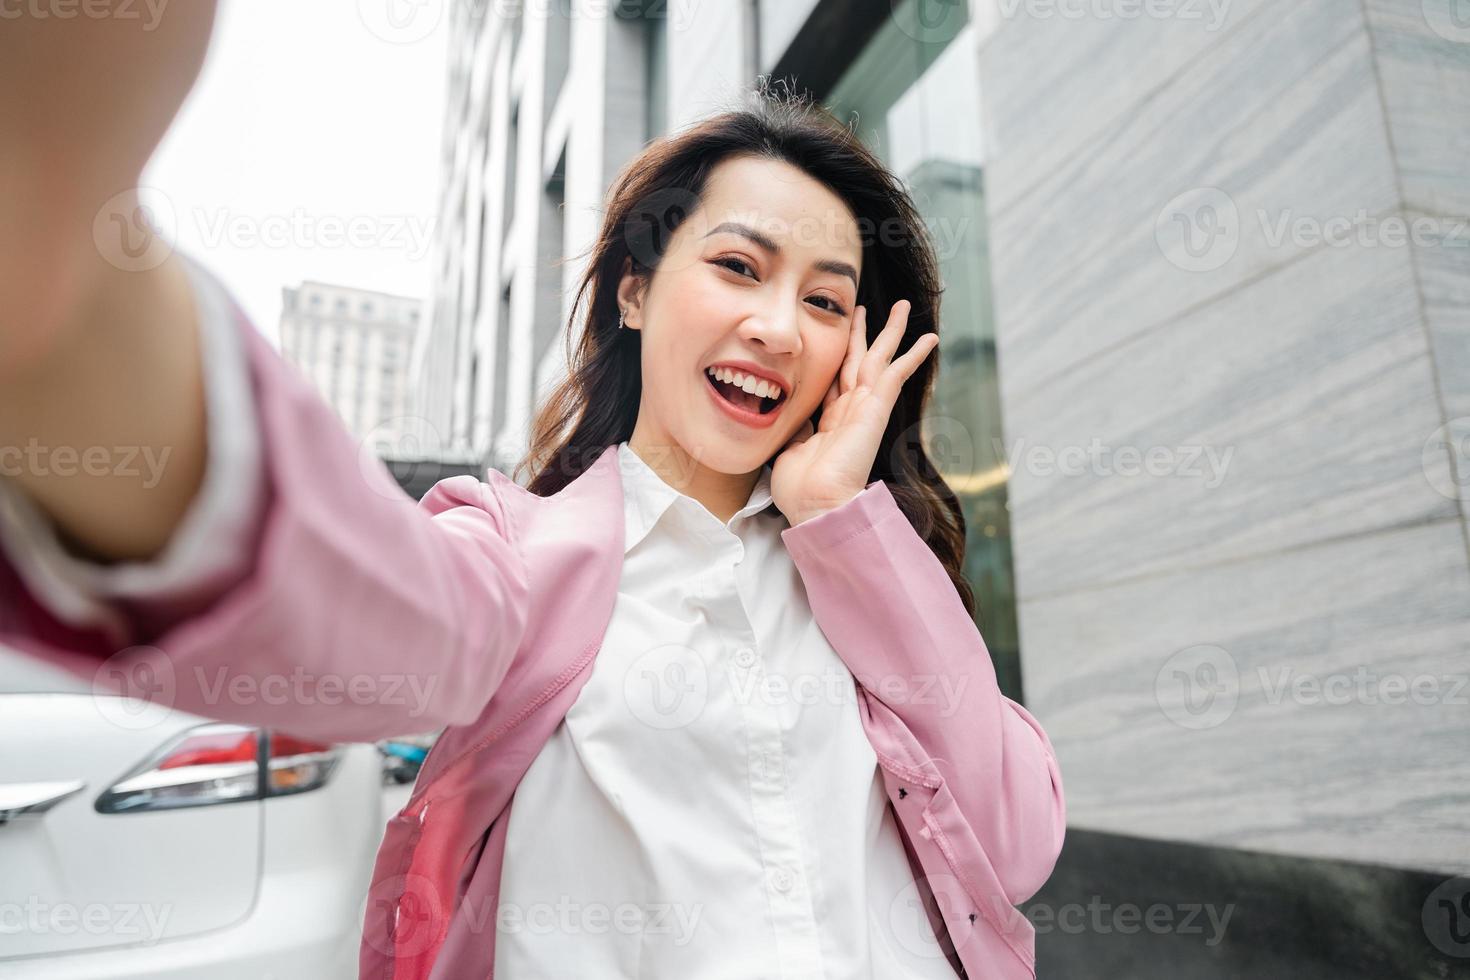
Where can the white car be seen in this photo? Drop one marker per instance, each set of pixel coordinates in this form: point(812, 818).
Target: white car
point(137, 842)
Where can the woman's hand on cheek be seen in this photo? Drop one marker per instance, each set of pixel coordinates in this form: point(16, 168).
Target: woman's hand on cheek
point(825, 466)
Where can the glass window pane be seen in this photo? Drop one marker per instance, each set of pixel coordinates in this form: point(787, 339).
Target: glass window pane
point(913, 95)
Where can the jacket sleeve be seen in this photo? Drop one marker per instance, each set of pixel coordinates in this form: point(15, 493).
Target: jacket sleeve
point(888, 607)
point(211, 548)
point(321, 600)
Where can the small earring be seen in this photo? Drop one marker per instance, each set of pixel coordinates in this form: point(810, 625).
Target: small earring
point(620, 319)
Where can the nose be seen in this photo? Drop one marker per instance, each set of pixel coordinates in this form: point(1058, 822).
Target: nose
point(774, 324)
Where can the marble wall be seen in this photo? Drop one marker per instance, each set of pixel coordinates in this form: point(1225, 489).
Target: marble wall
point(1231, 265)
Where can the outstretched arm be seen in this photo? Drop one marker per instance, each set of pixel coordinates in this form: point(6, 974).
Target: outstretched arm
point(355, 612)
point(91, 354)
point(350, 612)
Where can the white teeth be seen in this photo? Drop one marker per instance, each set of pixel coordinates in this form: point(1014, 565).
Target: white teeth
point(749, 383)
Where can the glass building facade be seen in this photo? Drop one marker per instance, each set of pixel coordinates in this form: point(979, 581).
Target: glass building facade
point(911, 93)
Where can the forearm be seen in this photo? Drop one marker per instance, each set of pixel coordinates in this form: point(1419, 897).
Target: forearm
point(94, 359)
point(106, 433)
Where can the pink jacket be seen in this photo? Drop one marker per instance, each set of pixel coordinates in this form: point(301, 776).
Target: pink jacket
point(492, 602)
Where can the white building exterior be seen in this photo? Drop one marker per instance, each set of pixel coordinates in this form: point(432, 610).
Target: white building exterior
point(355, 345)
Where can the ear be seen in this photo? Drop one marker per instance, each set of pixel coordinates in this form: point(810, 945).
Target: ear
point(631, 289)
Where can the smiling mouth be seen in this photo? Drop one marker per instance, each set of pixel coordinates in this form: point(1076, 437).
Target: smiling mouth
point(744, 399)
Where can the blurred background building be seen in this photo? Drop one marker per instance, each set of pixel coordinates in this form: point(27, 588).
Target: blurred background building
point(1205, 396)
point(355, 346)
point(529, 148)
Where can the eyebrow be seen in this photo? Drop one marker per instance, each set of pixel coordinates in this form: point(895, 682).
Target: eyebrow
point(769, 244)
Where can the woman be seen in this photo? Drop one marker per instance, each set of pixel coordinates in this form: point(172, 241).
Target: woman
point(726, 502)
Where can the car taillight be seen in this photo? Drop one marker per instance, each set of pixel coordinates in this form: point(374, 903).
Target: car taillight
point(297, 765)
point(219, 763)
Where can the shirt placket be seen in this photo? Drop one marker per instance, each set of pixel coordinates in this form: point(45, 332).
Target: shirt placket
point(788, 895)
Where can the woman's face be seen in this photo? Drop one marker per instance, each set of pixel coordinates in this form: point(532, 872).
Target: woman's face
point(764, 272)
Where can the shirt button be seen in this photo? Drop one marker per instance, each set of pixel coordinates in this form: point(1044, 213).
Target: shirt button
point(782, 880)
point(744, 657)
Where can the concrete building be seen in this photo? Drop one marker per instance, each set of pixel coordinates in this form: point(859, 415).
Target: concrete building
point(355, 345)
point(529, 148)
point(1205, 394)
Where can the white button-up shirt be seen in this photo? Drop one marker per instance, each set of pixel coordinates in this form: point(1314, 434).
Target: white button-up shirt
point(710, 807)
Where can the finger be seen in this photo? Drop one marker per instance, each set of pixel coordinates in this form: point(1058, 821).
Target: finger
point(885, 344)
point(857, 347)
point(908, 362)
point(802, 434)
point(831, 395)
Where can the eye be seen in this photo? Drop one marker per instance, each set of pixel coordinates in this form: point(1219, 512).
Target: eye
point(727, 261)
point(834, 306)
point(731, 262)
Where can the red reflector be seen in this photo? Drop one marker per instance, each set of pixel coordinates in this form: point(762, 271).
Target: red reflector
point(283, 745)
point(212, 749)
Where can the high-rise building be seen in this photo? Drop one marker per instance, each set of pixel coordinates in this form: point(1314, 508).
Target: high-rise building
point(544, 104)
point(356, 346)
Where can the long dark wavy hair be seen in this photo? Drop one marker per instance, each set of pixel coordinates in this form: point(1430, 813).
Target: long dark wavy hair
point(596, 406)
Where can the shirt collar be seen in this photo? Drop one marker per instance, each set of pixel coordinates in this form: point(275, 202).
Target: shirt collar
point(646, 497)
